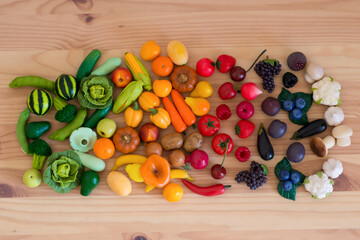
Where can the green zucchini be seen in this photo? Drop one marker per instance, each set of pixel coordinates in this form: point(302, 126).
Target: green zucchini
point(20, 131)
point(35, 130)
point(91, 162)
point(99, 114)
point(88, 64)
point(110, 65)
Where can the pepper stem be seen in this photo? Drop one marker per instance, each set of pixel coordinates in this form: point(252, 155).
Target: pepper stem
point(256, 60)
point(227, 187)
point(226, 149)
point(136, 106)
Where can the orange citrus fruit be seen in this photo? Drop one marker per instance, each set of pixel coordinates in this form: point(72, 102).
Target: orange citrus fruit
point(104, 148)
point(162, 88)
point(150, 50)
point(173, 192)
point(162, 66)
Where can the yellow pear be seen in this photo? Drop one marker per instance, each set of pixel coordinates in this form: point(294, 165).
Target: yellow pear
point(199, 106)
point(203, 90)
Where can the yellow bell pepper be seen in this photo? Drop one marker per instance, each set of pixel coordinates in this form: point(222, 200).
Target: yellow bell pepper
point(127, 159)
point(160, 117)
point(148, 100)
point(133, 116)
point(203, 89)
point(174, 173)
point(133, 170)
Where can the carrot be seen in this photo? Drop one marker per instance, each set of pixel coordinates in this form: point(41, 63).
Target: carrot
point(175, 117)
point(184, 110)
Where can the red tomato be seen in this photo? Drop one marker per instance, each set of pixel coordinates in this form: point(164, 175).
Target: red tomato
point(205, 67)
point(208, 125)
point(219, 143)
point(121, 77)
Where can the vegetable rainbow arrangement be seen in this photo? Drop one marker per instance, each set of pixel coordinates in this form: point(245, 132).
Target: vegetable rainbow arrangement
point(163, 99)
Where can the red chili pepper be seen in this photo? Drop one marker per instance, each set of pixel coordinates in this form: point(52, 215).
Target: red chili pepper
point(209, 191)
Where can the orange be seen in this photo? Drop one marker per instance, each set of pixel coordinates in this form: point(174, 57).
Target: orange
point(162, 66)
point(104, 148)
point(150, 50)
point(162, 88)
point(173, 192)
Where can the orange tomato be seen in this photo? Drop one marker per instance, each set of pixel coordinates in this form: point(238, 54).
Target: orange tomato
point(104, 148)
point(162, 88)
point(150, 50)
point(173, 192)
point(162, 66)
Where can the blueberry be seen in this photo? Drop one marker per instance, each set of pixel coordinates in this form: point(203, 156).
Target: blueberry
point(296, 113)
point(288, 105)
point(300, 103)
point(287, 185)
point(284, 175)
point(295, 177)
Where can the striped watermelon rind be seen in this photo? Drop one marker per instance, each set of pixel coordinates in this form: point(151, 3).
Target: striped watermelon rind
point(39, 102)
point(66, 87)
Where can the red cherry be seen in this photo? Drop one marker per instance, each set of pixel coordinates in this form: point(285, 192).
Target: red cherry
point(237, 74)
point(218, 172)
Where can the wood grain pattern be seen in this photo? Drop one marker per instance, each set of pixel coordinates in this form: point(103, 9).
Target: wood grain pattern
point(47, 38)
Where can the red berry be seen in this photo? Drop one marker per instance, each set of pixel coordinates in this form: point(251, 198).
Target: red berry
point(223, 112)
point(242, 154)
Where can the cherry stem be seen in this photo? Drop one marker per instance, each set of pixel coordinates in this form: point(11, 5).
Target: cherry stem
point(226, 149)
point(256, 60)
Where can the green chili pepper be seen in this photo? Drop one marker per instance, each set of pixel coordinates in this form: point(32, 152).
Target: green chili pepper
point(33, 81)
point(63, 133)
point(20, 131)
point(87, 65)
point(110, 65)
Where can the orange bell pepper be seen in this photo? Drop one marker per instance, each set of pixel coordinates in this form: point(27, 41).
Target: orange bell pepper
point(133, 116)
point(148, 100)
point(156, 171)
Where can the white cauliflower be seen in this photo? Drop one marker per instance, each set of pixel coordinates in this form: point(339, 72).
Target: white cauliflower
point(319, 185)
point(332, 167)
point(326, 92)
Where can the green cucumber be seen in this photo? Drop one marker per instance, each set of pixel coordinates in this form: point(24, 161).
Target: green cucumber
point(35, 130)
point(88, 64)
point(99, 114)
point(110, 65)
point(91, 162)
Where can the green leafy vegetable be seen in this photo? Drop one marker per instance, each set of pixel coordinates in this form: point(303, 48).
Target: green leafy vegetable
point(63, 172)
point(287, 95)
point(95, 92)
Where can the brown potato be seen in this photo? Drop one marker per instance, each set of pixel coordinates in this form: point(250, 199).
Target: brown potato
point(153, 148)
point(172, 141)
point(193, 142)
point(177, 158)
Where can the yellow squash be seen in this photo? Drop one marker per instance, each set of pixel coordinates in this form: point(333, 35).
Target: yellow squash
point(138, 70)
point(133, 170)
point(174, 173)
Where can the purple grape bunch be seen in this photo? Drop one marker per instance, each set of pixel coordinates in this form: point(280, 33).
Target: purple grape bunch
point(267, 69)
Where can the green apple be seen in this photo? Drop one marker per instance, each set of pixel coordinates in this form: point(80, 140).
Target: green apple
point(106, 128)
point(32, 178)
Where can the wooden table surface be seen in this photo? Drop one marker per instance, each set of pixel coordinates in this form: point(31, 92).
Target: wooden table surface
point(47, 38)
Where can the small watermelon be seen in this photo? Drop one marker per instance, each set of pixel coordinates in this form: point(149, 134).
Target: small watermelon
point(66, 87)
point(39, 102)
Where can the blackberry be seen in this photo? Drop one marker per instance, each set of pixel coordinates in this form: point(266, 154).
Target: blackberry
point(267, 69)
point(289, 80)
point(254, 178)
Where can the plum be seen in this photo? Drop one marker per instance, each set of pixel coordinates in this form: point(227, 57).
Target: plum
point(277, 128)
point(295, 152)
point(271, 106)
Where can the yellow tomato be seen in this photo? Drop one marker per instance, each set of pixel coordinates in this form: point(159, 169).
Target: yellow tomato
point(150, 50)
point(173, 192)
point(162, 88)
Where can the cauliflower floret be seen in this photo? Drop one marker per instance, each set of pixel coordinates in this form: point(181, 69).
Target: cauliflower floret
point(319, 185)
point(326, 91)
point(333, 168)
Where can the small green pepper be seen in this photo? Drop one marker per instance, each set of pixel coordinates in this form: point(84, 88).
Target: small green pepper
point(63, 133)
point(33, 81)
point(20, 131)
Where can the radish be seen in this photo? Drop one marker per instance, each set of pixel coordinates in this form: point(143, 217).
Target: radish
point(250, 91)
point(198, 159)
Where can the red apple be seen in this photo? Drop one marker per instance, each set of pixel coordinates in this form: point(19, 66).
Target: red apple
point(121, 77)
point(149, 132)
point(245, 110)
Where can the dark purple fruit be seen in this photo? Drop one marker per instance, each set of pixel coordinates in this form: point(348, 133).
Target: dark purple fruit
point(295, 152)
point(271, 106)
point(289, 80)
point(237, 74)
point(296, 61)
point(218, 172)
point(277, 129)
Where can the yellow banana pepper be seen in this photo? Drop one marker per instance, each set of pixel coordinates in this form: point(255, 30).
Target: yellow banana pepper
point(127, 159)
point(174, 173)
